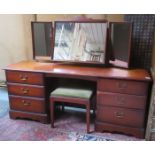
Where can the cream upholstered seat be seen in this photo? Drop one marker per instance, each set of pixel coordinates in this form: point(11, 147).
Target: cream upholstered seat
point(74, 96)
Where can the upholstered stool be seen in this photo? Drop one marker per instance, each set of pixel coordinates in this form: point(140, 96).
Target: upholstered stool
point(73, 96)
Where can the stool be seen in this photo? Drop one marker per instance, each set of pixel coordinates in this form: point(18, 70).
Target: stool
point(74, 96)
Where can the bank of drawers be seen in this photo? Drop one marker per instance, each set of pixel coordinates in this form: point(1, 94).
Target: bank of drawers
point(26, 95)
point(121, 106)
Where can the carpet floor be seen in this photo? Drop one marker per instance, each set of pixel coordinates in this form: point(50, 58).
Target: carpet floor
point(69, 126)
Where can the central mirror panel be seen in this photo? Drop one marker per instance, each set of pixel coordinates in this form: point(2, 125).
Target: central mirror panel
point(80, 41)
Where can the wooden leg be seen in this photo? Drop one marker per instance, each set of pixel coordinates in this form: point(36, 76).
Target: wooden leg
point(94, 111)
point(63, 107)
point(93, 105)
point(52, 113)
point(88, 117)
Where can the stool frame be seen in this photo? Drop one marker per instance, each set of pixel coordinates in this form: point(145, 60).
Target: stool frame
point(74, 101)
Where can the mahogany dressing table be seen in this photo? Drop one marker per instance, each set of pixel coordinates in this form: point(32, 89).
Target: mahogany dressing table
point(121, 94)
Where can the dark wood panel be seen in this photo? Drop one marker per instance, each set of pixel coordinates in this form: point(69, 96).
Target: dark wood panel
point(102, 127)
point(25, 90)
point(121, 116)
point(123, 86)
point(31, 116)
point(121, 100)
point(27, 104)
point(25, 77)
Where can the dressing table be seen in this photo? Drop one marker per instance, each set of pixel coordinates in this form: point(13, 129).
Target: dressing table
point(122, 94)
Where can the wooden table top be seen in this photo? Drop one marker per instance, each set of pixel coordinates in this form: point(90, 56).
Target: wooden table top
point(79, 70)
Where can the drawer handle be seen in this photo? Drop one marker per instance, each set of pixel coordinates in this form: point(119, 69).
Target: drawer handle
point(119, 114)
point(26, 103)
point(122, 85)
point(25, 91)
point(23, 77)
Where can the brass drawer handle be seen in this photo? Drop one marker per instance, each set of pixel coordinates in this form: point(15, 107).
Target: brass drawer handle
point(119, 114)
point(26, 103)
point(25, 91)
point(23, 77)
point(122, 85)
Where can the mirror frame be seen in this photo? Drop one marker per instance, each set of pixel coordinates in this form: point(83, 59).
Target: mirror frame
point(41, 58)
point(129, 45)
point(81, 20)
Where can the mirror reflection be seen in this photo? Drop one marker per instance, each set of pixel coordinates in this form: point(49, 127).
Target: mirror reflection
point(42, 40)
point(80, 41)
point(120, 40)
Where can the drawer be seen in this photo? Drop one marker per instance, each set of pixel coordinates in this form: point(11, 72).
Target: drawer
point(27, 104)
point(123, 86)
point(24, 77)
point(121, 100)
point(25, 90)
point(120, 116)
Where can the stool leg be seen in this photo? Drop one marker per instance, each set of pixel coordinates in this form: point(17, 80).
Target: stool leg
point(94, 109)
point(63, 107)
point(52, 113)
point(88, 116)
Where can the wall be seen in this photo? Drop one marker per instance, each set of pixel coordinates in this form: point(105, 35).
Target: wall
point(142, 39)
point(15, 40)
point(28, 35)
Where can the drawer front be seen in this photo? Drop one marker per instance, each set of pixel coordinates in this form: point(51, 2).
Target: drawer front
point(27, 104)
point(121, 100)
point(24, 77)
point(25, 90)
point(120, 116)
point(123, 86)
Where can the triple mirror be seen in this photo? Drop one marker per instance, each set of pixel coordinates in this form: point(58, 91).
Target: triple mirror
point(83, 42)
point(42, 37)
point(80, 41)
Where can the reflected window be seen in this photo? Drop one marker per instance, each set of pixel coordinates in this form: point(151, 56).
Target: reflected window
point(80, 42)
